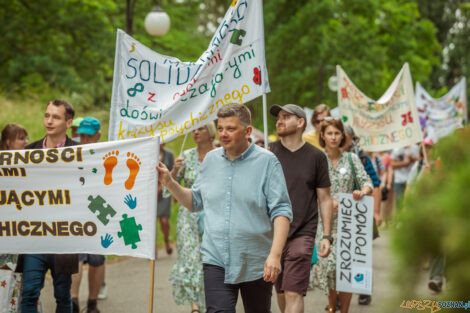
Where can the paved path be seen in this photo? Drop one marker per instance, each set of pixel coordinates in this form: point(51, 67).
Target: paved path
point(128, 284)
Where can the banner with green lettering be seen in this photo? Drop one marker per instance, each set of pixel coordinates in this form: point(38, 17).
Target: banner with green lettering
point(154, 94)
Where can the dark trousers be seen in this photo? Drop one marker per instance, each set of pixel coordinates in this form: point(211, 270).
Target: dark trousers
point(34, 270)
point(222, 298)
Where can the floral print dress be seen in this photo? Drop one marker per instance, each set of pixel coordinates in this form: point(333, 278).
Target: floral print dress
point(323, 274)
point(186, 276)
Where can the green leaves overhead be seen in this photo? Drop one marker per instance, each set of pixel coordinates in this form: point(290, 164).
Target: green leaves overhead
point(69, 45)
point(370, 39)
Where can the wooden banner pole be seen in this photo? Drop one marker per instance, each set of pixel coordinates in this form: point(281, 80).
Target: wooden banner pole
point(152, 276)
point(265, 121)
point(425, 155)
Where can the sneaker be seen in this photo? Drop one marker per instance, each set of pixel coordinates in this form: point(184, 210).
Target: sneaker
point(75, 306)
point(435, 284)
point(364, 299)
point(103, 294)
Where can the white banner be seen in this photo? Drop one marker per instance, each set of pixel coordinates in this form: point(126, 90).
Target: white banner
point(390, 122)
point(156, 94)
point(443, 115)
point(97, 198)
point(354, 246)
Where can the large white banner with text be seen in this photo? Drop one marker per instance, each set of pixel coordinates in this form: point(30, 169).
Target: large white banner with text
point(390, 122)
point(156, 94)
point(354, 246)
point(441, 116)
point(97, 198)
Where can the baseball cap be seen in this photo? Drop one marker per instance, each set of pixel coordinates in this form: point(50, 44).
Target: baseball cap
point(76, 122)
point(289, 108)
point(89, 125)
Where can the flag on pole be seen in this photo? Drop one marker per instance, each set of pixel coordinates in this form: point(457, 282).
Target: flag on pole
point(441, 116)
point(390, 122)
point(156, 94)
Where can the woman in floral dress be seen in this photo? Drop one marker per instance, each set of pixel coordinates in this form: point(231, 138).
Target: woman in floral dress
point(332, 138)
point(186, 276)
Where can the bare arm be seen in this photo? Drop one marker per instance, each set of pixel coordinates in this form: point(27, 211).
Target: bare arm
point(326, 211)
point(389, 174)
point(399, 164)
point(272, 266)
point(183, 195)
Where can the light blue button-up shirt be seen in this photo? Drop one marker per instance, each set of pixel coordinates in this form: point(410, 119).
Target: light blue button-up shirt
point(240, 198)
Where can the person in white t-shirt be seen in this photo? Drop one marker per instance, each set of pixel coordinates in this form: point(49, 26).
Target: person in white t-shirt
point(402, 160)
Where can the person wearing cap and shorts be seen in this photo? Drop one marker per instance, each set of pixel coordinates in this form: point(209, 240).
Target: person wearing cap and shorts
point(306, 171)
point(89, 131)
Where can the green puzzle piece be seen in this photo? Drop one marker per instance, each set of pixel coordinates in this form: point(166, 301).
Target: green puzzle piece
point(129, 231)
point(237, 36)
point(97, 204)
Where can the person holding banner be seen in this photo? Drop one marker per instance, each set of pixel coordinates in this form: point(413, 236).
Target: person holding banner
point(306, 170)
point(89, 131)
point(345, 170)
point(57, 119)
point(164, 204)
point(243, 191)
point(186, 275)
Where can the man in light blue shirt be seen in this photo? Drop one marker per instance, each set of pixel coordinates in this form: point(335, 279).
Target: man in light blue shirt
point(247, 213)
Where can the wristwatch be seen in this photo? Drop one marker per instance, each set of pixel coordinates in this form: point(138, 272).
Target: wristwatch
point(330, 239)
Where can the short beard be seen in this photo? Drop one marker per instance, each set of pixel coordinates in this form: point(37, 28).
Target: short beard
point(286, 132)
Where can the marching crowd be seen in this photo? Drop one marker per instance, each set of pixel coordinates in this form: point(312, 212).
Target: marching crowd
point(248, 217)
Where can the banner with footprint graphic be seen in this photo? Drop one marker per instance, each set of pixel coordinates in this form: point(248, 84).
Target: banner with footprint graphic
point(157, 94)
point(390, 122)
point(98, 198)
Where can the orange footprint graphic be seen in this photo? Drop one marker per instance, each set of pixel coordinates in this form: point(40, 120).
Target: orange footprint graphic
point(133, 163)
point(110, 161)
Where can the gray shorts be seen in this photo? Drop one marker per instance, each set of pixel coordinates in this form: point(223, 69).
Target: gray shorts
point(164, 207)
point(94, 260)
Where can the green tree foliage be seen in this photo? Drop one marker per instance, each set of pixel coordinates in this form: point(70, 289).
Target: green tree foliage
point(370, 39)
point(188, 36)
point(61, 43)
point(69, 45)
point(436, 219)
point(452, 21)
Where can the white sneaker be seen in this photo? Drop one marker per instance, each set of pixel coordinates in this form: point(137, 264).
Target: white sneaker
point(103, 294)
